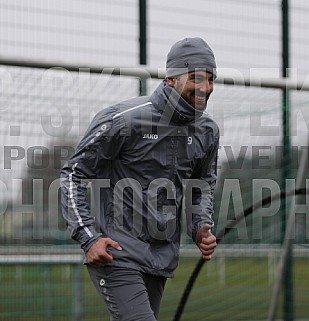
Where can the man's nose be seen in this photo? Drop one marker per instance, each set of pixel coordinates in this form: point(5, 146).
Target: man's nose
point(206, 87)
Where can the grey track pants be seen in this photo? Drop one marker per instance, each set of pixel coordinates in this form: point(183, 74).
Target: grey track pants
point(128, 294)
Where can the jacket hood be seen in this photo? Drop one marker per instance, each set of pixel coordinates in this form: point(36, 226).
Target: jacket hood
point(169, 102)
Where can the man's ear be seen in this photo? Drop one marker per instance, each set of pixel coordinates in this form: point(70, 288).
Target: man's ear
point(171, 81)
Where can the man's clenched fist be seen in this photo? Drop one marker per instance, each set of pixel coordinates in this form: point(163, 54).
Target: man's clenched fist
point(206, 241)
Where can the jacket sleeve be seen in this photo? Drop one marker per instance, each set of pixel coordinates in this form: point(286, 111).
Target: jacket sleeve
point(200, 191)
point(100, 145)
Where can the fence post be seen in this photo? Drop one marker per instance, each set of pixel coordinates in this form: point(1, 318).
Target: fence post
point(78, 293)
point(143, 42)
point(286, 171)
point(49, 306)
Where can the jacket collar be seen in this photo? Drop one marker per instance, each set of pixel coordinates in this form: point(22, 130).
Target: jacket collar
point(170, 104)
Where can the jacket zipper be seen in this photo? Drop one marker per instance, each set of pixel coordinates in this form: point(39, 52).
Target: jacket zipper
point(174, 146)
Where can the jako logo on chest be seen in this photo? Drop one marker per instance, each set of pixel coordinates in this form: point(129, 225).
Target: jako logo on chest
point(151, 136)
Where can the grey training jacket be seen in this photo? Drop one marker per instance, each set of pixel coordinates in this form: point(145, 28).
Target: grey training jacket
point(148, 159)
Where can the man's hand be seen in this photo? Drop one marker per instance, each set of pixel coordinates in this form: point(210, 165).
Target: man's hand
point(206, 241)
point(98, 254)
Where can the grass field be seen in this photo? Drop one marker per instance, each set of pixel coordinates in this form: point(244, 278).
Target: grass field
point(227, 289)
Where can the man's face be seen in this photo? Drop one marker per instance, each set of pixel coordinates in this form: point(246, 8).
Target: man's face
point(194, 87)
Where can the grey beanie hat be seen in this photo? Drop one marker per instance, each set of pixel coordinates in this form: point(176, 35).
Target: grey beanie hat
point(190, 54)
